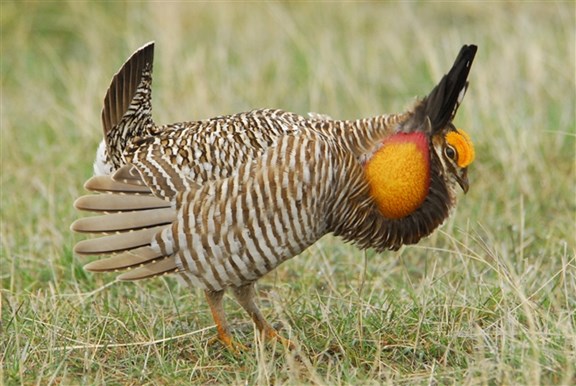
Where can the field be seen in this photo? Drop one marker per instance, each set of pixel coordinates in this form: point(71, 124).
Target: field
point(489, 299)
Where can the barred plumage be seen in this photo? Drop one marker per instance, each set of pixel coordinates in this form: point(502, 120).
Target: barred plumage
point(224, 201)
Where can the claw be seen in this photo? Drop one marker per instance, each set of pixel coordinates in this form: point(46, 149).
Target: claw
point(272, 335)
point(229, 342)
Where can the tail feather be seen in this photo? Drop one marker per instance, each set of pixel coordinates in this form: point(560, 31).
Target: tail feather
point(125, 84)
point(127, 111)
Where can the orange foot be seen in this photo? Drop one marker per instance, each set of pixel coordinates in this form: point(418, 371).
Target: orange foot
point(229, 342)
point(272, 335)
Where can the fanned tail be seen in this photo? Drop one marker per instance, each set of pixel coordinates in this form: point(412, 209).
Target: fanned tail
point(127, 111)
point(129, 218)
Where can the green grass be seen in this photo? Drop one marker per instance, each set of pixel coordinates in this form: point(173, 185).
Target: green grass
point(489, 299)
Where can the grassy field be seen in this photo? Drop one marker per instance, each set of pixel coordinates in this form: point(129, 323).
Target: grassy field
point(489, 299)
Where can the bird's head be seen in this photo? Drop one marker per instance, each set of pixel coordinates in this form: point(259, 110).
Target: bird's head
point(454, 149)
point(426, 147)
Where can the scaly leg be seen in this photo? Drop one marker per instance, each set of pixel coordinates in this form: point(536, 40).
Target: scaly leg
point(214, 299)
point(245, 297)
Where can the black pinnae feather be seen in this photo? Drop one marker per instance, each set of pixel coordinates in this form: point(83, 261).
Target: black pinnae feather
point(442, 103)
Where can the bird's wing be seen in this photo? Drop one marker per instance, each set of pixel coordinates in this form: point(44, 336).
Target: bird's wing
point(232, 230)
point(129, 217)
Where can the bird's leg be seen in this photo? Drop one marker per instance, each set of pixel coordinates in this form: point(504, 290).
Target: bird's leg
point(215, 301)
point(245, 297)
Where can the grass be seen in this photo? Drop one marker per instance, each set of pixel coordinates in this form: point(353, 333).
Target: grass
point(489, 299)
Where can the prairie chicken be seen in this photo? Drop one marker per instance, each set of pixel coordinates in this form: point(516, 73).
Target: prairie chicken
point(223, 201)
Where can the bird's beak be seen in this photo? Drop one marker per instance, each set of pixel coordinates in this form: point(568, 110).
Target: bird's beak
point(463, 180)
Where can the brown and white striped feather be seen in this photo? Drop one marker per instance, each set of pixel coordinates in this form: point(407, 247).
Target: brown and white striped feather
point(234, 230)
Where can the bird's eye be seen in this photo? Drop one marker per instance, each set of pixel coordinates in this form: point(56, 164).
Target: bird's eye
point(450, 152)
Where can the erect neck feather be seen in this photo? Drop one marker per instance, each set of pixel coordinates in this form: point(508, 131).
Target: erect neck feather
point(399, 174)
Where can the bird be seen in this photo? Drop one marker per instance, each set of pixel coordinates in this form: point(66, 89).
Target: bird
point(221, 202)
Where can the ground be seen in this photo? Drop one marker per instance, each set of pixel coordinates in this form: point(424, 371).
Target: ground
point(488, 299)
